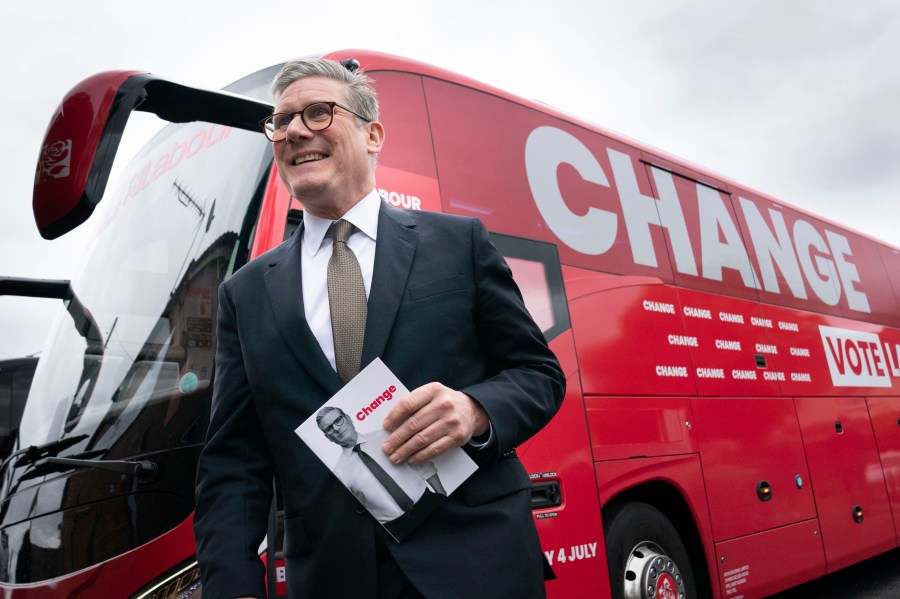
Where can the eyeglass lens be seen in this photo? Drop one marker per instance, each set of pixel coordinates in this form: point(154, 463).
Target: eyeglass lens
point(315, 117)
point(332, 428)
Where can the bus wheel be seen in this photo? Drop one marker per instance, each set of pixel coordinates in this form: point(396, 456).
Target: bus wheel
point(646, 558)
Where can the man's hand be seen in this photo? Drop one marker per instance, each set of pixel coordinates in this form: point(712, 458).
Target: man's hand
point(430, 421)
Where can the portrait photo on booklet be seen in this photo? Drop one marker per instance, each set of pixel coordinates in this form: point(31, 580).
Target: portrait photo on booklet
point(346, 433)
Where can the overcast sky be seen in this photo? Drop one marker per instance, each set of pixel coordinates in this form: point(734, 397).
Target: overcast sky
point(798, 100)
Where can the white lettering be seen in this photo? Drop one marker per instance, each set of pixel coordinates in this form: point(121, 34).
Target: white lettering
point(800, 351)
point(571, 554)
point(822, 276)
point(729, 317)
point(761, 322)
point(683, 340)
point(763, 348)
point(663, 307)
point(799, 256)
point(788, 326)
point(855, 358)
point(729, 345)
point(711, 373)
point(840, 249)
point(592, 233)
point(400, 200)
point(641, 211)
point(672, 371)
point(768, 248)
point(893, 358)
point(801, 377)
point(698, 312)
point(715, 224)
point(773, 375)
point(743, 375)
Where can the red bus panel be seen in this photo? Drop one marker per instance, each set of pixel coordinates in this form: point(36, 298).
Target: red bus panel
point(632, 427)
point(764, 563)
point(623, 337)
point(885, 415)
point(406, 176)
point(745, 443)
point(846, 474)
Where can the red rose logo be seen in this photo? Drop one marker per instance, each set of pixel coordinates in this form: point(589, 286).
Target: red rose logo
point(55, 159)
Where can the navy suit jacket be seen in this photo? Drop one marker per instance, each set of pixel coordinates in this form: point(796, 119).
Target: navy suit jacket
point(442, 307)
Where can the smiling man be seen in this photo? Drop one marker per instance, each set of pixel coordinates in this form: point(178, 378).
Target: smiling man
point(427, 293)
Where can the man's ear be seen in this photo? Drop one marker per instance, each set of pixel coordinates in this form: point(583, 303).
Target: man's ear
point(375, 139)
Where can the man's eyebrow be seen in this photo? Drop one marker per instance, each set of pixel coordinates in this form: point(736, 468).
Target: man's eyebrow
point(305, 106)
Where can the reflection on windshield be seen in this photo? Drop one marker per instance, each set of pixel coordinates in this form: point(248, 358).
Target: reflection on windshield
point(165, 239)
point(128, 373)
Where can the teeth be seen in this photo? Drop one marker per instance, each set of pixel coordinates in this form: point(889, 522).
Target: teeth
point(308, 158)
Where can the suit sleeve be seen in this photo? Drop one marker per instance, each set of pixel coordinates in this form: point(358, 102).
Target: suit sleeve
point(234, 477)
point(527, 385)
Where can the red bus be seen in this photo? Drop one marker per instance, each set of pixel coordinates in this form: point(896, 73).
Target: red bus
point(732, 422)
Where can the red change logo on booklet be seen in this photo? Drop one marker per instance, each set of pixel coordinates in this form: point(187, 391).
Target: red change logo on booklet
point(386, 395)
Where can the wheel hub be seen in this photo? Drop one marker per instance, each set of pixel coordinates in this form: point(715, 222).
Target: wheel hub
point(651, 574)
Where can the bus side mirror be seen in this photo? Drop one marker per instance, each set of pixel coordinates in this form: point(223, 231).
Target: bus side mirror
point(83, 136)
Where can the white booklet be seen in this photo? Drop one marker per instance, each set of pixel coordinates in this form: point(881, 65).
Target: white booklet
point(347, 433)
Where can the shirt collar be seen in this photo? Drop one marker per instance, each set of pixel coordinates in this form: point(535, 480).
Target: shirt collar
point(363, 215)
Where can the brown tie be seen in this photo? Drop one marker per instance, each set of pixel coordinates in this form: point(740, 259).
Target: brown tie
point(347, 300)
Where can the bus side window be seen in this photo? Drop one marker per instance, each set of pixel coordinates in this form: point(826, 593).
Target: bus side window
point(536, 269)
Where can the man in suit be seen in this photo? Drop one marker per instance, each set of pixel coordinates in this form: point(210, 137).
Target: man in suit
point(441, 310)
point(397, 495)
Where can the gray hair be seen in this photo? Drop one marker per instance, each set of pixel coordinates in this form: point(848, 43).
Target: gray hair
point(360, 93)
point(325, 411)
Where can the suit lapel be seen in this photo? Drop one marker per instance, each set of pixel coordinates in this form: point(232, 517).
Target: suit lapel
point(394, 251)
point(284, 287)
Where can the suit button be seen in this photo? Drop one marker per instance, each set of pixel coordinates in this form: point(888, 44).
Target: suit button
point(358, 508)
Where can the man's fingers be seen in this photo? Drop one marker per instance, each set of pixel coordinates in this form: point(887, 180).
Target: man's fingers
point(427, 454)
point(437, 420)
point(427, 442)
point(426, 445)
point(409, 405)
point(417, 431)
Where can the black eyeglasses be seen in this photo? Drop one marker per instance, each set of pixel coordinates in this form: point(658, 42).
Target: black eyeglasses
point(315, 117)
point(338, 422)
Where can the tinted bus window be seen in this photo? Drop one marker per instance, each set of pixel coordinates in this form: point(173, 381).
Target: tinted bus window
point(15, 381)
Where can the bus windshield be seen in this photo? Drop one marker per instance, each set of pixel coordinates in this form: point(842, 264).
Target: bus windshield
point(127, 369)
point(174, 228)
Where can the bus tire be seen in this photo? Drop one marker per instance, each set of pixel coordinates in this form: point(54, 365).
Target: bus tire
point(645, 555)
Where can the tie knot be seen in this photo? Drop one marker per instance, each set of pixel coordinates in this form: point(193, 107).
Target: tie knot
point(340, 230)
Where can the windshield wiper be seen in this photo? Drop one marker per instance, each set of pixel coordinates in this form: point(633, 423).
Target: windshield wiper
point(33, 453)
point(143, 469)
